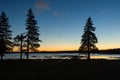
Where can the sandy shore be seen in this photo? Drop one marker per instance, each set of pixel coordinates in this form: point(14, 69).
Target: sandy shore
point(60, 69)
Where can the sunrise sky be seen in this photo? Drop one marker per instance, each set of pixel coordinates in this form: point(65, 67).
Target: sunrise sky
point(62, 21)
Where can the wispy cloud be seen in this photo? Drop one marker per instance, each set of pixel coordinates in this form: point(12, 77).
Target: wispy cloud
point(41, 6)
point(104, 11)
point(44, 5)
point(57, 13)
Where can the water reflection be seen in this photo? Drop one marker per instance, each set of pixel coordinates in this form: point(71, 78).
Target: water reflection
point(64, 56)
point(106, 56)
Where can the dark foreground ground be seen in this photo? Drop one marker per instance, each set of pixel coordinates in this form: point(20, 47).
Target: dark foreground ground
point(60, 70)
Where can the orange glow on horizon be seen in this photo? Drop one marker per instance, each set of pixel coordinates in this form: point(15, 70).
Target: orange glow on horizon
point(70, 47)
point(65, 49)
point(57, 48)
point(108, 46)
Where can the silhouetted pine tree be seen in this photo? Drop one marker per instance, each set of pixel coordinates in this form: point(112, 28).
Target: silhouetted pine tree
point(18, 41)
point(32, 33)
point(89, 39)
point(5, 35)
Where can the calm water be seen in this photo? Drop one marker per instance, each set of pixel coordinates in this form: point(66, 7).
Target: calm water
point(62, 56)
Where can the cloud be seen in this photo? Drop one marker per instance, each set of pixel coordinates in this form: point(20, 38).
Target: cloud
point(103, 11)
point(59, 35)
point(57, 13)
point(42, 6)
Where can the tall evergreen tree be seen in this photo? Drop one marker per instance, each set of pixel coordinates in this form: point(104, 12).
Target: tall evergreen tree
point(89, 39)
point(32, 33)
point(18, 41)
point(5, 35)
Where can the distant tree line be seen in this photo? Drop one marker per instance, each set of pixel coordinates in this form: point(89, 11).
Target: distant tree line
point(27, 41)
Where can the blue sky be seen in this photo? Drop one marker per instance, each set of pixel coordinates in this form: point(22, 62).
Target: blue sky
point(62, 21)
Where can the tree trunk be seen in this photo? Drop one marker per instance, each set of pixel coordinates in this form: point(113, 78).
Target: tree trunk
point(88, 56)
point(88, 50)
point(27, 55)
point(20, 55)
point(1, 57)
point(21, 50)
point(27, 51)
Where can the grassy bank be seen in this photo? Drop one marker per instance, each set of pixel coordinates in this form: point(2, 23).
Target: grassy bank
point(59, 69)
